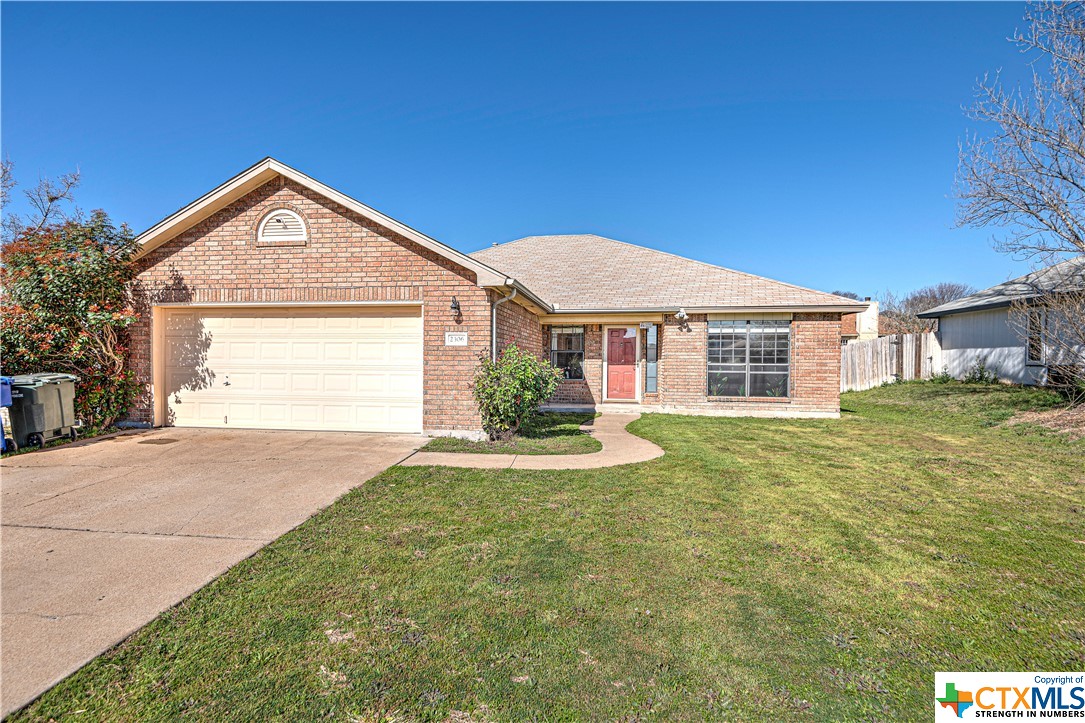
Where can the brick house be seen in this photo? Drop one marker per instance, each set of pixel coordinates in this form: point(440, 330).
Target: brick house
point(277, 302)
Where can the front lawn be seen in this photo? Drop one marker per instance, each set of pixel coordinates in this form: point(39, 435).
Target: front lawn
point(761, 570)
point(548, 433)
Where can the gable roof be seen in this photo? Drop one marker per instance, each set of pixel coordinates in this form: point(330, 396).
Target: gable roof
point(260, 173)
point(1064, 276)
point(585, 272)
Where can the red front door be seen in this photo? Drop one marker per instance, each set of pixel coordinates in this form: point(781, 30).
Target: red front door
point(622, 363)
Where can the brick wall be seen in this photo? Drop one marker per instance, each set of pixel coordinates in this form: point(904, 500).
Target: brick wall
point(815, 362)
point(588, 390)
point(517, 325)
point(683, 360)
point(815, 367)
point(347, 258)
point(848, 324)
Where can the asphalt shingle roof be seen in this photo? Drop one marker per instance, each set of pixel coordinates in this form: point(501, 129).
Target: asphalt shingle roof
point(588, 272)
point(1067, 275)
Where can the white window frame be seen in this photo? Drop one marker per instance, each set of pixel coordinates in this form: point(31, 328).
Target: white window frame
point(556, 329)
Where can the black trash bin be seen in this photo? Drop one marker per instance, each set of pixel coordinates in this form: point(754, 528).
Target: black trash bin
point(43, 408)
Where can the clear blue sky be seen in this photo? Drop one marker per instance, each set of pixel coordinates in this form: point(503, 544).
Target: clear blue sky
point(813, 143)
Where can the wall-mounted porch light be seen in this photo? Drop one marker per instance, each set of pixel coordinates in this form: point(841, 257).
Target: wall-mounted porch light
point(454, 307)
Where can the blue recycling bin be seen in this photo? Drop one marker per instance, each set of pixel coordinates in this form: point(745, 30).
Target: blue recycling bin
point(8, 444)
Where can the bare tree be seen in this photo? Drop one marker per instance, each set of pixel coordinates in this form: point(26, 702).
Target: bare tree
point(900, 315)
point(7, 182)
point(1027, 174)
point(51, 201)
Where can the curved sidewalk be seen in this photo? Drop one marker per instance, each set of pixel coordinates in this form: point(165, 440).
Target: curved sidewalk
point(619, 447)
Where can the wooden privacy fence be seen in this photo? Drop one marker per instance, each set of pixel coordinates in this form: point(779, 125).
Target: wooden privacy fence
point(871, 363)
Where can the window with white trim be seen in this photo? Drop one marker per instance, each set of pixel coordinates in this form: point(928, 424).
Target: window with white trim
point(749, 358)
point(282, 226)
point(567, 350)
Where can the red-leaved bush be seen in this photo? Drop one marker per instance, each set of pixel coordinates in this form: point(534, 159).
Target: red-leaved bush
point(64, 307)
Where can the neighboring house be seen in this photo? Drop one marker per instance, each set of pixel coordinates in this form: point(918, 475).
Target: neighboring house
point(277, 302)
point(860, 325)
point(986, 326)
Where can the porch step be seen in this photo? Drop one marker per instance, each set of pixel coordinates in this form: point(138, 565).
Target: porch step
point(605, 407)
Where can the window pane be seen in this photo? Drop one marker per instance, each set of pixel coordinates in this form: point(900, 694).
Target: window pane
point(727, 348)
point(768, 384)
point(569, 342)
point(748, 358)
point(567, 338)
point(726, 381)
point(571, 362)
point(651, 373)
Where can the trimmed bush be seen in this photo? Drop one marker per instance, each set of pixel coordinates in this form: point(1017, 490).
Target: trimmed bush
point(510, 390)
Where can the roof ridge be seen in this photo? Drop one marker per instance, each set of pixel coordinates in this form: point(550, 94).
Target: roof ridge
point(683, 258)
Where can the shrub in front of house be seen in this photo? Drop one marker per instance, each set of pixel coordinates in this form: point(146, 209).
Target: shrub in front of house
point(980, 373)
point(65, 308)
point(509, 391)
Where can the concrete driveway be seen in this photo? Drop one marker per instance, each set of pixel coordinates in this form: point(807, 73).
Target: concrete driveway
point(101, 536)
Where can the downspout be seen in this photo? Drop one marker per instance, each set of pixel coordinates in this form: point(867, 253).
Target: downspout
point(493, 322)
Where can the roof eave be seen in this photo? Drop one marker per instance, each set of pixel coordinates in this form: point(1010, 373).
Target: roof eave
point(794, 308)
point(939, 313)
point(510, 283)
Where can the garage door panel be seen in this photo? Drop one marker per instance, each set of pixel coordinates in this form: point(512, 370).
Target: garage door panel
point(403, 352)
point(400, 384)
point(334, 369)
point(238, 322)
point(404, 415)
point(305, 351)
point(338, 351)
point(266, 382)
point(236, 351)
point(341, 383)
point(303, 382)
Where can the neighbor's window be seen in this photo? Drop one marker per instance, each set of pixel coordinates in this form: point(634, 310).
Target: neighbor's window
point(1035, 343)
point(748, 358)
point(567, 350)
point(281, 227)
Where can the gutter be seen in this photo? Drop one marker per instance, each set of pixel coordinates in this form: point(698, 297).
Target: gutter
point(844, 309)
point(493, 321)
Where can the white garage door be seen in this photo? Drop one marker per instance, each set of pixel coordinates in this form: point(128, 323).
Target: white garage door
point(293, 368)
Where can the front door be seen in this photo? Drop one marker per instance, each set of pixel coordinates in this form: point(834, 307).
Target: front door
point(622, 363)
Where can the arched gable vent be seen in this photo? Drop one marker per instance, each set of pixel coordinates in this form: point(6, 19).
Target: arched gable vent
point(282, 226)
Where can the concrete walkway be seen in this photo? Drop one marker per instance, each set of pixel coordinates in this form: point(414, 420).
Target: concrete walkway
point(619, 447)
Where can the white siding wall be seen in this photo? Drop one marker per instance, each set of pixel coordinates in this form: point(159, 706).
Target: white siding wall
point(986, 335)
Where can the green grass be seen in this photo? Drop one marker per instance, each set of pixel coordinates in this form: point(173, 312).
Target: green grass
point(761, 570)
point(550, 433)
